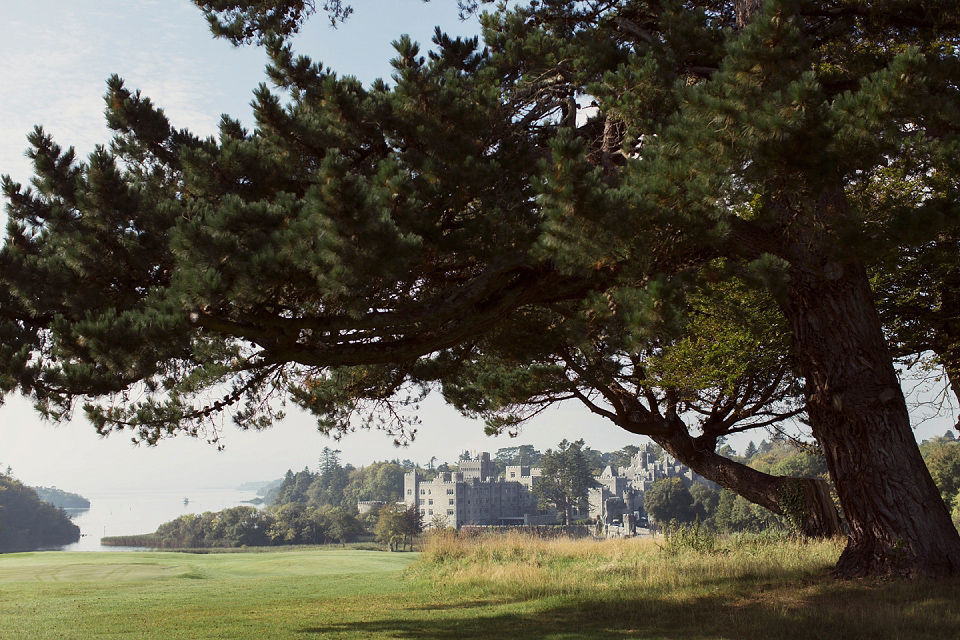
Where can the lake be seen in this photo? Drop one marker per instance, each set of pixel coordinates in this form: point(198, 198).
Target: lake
point(122, 512)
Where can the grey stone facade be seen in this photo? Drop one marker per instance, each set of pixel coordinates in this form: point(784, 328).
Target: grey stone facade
point(474, 496)
point(366, 506)
point(620, 491)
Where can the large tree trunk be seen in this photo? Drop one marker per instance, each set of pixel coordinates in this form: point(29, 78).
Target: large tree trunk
point(805, 501)
point(745, 10)
point(897, 521)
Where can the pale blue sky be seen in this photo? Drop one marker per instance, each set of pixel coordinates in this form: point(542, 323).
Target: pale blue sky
point(55, 56)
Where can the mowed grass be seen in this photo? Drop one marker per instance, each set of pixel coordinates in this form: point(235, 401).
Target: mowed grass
point(462, 587)
point(182, 595)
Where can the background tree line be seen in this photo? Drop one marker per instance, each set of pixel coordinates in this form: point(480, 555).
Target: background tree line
point(251, 527)
point(345, 485)
point(62, 499)
point(27, 522)
point(671, 500)
point(942, 455)
point(321, 507)
point(318, 507)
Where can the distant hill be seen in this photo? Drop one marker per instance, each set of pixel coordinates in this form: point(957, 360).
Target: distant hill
point(28, 523)
point(256, 486)
point(62, 499)
point(269, 491)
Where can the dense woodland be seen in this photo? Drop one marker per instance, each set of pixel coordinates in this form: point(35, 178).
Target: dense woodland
point(251, 527)
point(942, 455)
point(27, 522)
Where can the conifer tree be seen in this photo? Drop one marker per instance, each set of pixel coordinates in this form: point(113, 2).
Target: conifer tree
point(363, 244)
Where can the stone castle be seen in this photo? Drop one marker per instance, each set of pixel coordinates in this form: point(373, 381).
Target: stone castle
point(620, 491)
point(474, 495)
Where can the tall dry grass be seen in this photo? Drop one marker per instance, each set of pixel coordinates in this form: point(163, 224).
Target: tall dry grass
point(746, 586)
point(521, 565)
point(685, 586)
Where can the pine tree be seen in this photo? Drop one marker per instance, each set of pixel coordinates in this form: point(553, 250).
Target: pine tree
point(780, 118)
point(329, 460)
point(365, 244)
point(918, 292)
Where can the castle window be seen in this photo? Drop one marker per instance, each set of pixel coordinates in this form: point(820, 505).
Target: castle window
point(451, 500)
point(430, 502)
point(449, 512)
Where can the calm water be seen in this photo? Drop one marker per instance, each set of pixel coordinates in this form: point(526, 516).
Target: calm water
point(121, 512)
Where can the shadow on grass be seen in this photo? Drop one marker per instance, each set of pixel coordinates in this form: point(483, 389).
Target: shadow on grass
point(461, 604)
point(818, 609)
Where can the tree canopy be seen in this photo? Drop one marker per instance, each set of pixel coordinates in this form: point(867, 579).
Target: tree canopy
point(396, 526)
point(564, 479)
point(342, 486)
point(669, 500)
point(366, 244)
point(27, 523)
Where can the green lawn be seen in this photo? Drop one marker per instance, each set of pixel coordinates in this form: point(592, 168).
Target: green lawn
point(508, 589)
point(177, 595)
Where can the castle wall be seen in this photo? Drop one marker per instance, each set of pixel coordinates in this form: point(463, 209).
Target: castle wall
point(629, 483)
point(474, 495)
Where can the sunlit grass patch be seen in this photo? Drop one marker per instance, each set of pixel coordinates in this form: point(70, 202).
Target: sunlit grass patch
point(521, 563)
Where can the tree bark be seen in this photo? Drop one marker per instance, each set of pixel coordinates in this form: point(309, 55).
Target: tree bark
point(897, 520)
point(745, 10)
point(816, 509)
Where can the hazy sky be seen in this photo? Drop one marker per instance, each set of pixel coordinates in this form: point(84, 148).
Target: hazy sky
point(55, 56)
